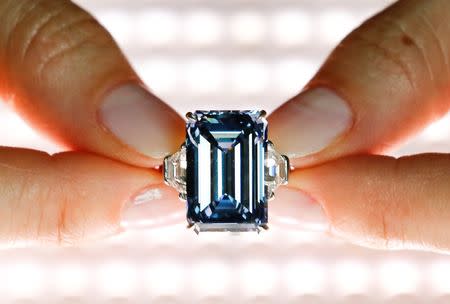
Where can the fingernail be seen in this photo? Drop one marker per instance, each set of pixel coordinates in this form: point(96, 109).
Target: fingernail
point(293, 208)
point(153, 207)
point(141, 121)
point(310, 122)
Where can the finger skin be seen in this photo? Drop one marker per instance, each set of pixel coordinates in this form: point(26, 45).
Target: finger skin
point(384, 202)
point(66, 198)
point(58, 64)
point(394, 74)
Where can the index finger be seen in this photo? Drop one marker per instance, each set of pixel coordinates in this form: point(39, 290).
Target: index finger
point(73, 197)
point(375, 201)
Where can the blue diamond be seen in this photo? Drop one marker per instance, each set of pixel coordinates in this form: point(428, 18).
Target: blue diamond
point(225, 168)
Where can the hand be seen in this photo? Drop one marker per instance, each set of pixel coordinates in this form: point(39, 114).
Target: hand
point(385, 82)
point(65, 75)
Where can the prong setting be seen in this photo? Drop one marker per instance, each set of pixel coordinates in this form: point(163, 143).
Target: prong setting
point(191, 116)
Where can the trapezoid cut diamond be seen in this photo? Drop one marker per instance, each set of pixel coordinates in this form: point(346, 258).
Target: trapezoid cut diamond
point(175, 171)
point(225, 183)
point(276, 168)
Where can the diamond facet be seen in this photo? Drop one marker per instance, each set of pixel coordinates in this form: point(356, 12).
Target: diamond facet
point(225, 182)
point(276, 168)
point(226, 170)
point(175, 171)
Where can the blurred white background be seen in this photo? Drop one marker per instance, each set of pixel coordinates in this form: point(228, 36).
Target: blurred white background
point(233, 54)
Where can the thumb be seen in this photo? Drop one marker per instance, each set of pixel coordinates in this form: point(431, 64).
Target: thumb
point(77, 86)
point(377, 201)
point(383, 83)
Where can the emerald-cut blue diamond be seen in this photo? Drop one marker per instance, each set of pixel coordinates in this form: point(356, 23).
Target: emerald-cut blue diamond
point(225, 152)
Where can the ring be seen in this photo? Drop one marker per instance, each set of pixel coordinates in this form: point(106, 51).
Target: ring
point(226, 170)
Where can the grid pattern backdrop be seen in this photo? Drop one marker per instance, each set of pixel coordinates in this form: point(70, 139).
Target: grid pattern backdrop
point(233, 54)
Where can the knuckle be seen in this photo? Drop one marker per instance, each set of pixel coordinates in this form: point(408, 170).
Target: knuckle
point(436, 57)
point(67, 220)
point(44, 211)
point(391, 228)
point(66, 230)
point(52, 30)
point(64, 224)
point(392, 219)
point(387, 56)
point(28, 23)
point(399, 49)
point(381, 227)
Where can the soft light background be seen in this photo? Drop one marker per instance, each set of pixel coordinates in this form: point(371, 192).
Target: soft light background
point(230, 54)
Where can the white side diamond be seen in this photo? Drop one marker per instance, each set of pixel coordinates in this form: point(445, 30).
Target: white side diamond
point(175, 170)
point(276, 170)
